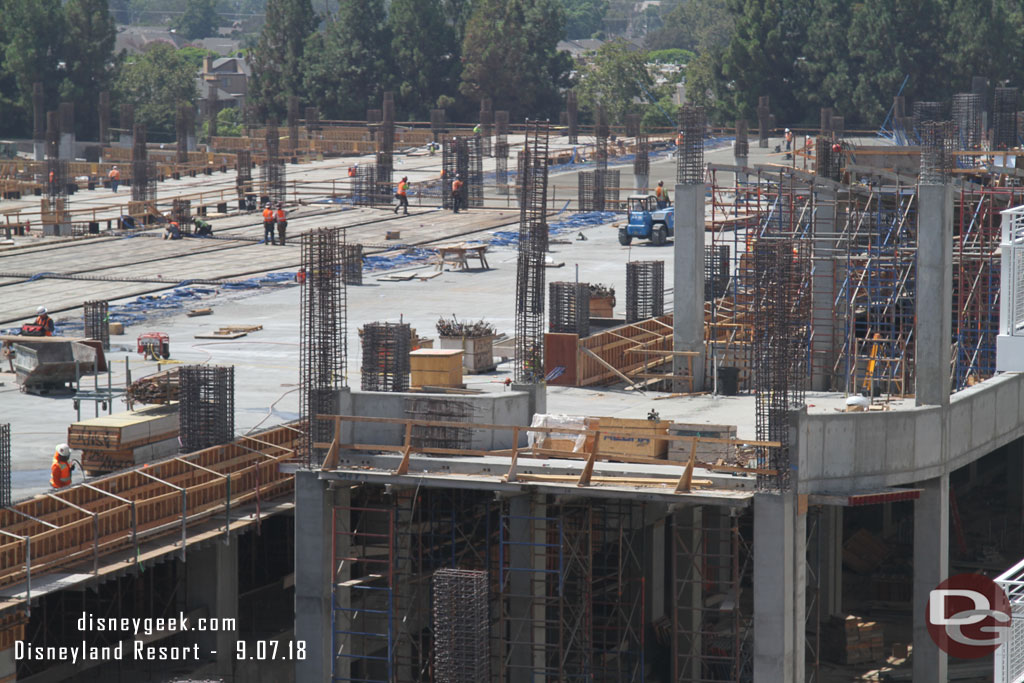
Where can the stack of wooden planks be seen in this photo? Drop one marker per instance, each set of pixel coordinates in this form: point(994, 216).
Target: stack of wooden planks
point(161, 387)
point(127, 439)
point(853, 640)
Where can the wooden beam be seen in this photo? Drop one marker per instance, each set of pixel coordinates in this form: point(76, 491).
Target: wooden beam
point(686, 479)
point(588, 467)
point(608, 365)
point(403, 467)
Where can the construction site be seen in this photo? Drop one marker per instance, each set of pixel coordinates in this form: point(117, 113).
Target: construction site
point(492, 443)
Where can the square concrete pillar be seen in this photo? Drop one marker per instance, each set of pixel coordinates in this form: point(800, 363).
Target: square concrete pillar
point(934, 294)
point(931, 567)
point(688, 284)
point(213, 583)
point(313, 575)
point(823, 342)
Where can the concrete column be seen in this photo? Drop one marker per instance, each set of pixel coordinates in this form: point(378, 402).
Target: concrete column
point(931, 567)
point(67, 146)
point(780, 541)
point(8, 667)
point(213, 583)
point(822, 290)
point(538, 397)
point(39, 150)
point(654, 562)
point(688, 564)
point(934, 293)
point(313, 578)
point(526, 609)
point(688, 283)
point(640, 182)
point(742, 162)
point(825, 550)
point(1014, 453)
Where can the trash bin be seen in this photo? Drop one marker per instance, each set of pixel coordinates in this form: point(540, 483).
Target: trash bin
point(728, 381)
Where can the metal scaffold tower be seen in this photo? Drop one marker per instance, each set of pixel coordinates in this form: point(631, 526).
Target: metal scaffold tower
point(207, 406)
point(386, 348)
point(322, 333)
point(569, 308)
point(645, 290)
point(272, 172)
point(97, 321)
point(501, 152)
point(533, 247)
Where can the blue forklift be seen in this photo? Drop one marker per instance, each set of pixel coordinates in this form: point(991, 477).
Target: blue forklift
point(647, 221)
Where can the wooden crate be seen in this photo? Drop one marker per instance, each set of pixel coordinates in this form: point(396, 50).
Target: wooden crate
point(478, 352)
point(602, 307)
point(436, 367)
point(706, 452)
point(621, 436)
point(112, 442)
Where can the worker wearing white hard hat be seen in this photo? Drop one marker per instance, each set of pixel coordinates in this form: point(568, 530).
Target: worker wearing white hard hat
point(44, 322)
point(60, 470)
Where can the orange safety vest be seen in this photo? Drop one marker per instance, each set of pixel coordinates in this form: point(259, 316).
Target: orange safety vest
point(60, 473)
point(401, 187)
point(280, 215)
point(659, 191)
point(115, 174)
point(268, 215)
point(351, 171)
point(45, 322)
point(51, 176)
point(456, 185)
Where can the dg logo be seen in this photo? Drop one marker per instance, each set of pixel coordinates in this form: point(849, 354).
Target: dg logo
point(968, 616)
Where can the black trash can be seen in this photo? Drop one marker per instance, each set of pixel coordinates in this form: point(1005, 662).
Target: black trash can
point(728, 381)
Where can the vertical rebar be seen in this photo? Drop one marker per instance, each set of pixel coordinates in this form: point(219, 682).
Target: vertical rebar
point(97, 321)
point(104, 118)
point(645, 290)
point(690, 150)
point(206, 407)
point(38, 113)
point(5, 465)
point(500, 152)
point(1004, 118)
point(461, 623)
point(572, 117)
point(272, 173)
point(569, 308)
point(386, 348)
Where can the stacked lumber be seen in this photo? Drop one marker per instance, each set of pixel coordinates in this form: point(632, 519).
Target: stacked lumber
point(863, 553)
point(159, 388)
point(621, 436)
point(126, 439)
point(706, 452)
point(853, 640)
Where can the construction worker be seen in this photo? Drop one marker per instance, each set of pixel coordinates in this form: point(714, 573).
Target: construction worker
point(60, 470)
point(282, 222)
point(661, 195)
point(352, 171)
point(679, 139)
point(402, 195)
point(44, 322)
point(203, 229)
point(115, 178)
point(476, 129)
point(172, 231)
point(268, 225)
point(457, 194)
point(789, 139)
point(52, 182)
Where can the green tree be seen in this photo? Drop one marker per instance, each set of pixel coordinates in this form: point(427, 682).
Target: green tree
point(509, 54)
point(199, 20)
point(89, 60)
point(983, 38)
point(229, 125)
point(613, 78)
point(825, 78)
point(348, 66)
point(424, 54)
point(156, 82)
point(584, 18)
point(32, 52)
point(279, 56)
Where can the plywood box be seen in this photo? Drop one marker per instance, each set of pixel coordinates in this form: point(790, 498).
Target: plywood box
point(632, 437)
point(126, 439)
point(436, 367)
point(706, 452)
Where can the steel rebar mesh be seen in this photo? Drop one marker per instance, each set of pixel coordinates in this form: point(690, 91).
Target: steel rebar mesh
point(925, 111)
point(1004, 118)
point(364, 185)
point(474, 176)
point(967, 108)
point(937, 143)
point(206, 406)
point(781, 345)
point(143, 171)
point(642, 157)
point(5, 465)
point(461, 158)
point(243, 171)
point(572, 116)
point(386, 348)
point(440, 410)
point(501, 151)
point(461, 626)
point(322, 333)
point(600, 159)
point(96, 317)
point(272, 173)
point(293, 124)
point(486, 126)
point(645, 290)
point(742, 147)
point(716, 270)
point(764, 118)
point(38, 113)
point(103, 111)
point(533, 247)
point(827, 164)
point(181, 212)
point(569, 310)
point(690, 153)
point(352, 264)
point(55, 209)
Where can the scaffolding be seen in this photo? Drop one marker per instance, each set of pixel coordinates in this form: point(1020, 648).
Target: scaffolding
point(533, 247)
point(569, 308)
point(386, 348)
point(97, 321)
point(206, 406)
point(272, 173)
point(645, 290)
point(461, 619)
point(322, 333)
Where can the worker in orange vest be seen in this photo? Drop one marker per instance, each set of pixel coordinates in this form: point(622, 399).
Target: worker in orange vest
point(789, 139)
point(401, 194)
point(268, 225)
point(282, 223)
point(115, 178)
point(60, 470)
point(457, 194)
point(53, 177)
point(661, 195)
point(44, 321)
point(351, 171)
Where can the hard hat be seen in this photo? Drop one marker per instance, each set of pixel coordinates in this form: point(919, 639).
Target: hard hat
point(405, 177)
point(64, 450)
point(661, 182)
point(787, 130)
point(41, 310)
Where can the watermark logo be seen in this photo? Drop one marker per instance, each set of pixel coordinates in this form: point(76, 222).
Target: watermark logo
point(968, 616)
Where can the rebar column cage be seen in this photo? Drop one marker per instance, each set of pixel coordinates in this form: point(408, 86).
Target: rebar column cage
point(352, 264)
point(104, 118)
point(312, 122)
point(97, 321)
point(827, 164)
point(838, 127)
point(781, 345)
point(272, 172)
point(322, 333)
point(825, 121)
point(181, 213)
point(925, 111)
point(38, 113)
point(486, 126)
point(500, 152)
point(385, 146)
point(966, 114)
point(461, 158)
point(386, 348)
point(440, 410)
point(937, 143)
point(742, 148)
point(364, 186)
point(437, 126)
point(184, 126)
point(569, 311)
point(533, 247)
point(716, 271)
point(293, 124)
point(642, 154)
point(243, 171)
point(598, 190)
point(207, 406)
point(690, 154)
point(461, 626)
point(600, 160)
point(645, 290)
point(572, 117)
point(764, 117)
point(1004, 118)
point(5, 465)
point(143, 170)
point(212, 109)
point(632, 125)
point(474, 172)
